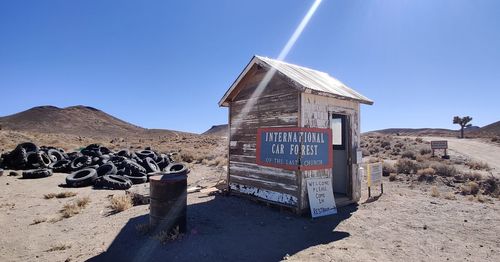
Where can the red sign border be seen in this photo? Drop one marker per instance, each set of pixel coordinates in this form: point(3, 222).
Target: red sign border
point(329, 165)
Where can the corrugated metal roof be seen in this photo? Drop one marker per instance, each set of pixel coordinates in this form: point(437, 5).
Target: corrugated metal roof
point(306, 77)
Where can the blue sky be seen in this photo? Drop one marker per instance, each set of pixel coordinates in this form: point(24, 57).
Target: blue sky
point(166, 64)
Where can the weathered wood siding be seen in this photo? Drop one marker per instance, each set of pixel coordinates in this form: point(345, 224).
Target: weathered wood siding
point(276, 106)
point(315, 112)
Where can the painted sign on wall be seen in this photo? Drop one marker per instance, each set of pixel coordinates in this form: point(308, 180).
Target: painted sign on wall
point(294, 148)
point(321, 200)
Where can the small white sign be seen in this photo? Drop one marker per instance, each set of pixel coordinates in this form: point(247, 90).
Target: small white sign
point(374, 173)
point(321, 200)
point(439, 144)
point(359, 156)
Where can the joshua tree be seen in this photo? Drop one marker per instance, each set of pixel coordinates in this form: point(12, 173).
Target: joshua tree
point(463, 122)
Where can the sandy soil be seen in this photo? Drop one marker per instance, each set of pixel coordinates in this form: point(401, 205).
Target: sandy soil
point(404, 223)
point(475, 149)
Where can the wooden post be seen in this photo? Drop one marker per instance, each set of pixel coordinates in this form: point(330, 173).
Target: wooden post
point(369, 193)
point(381, 188)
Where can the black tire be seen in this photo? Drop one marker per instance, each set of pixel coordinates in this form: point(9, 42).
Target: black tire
point(18, 158)
point(32, 160)
point(150, 165)
point(145, 153)
point(93, 147)
point(61, 166)
point(124, 153)
point(163, 162)
point(1, 172)
point(177, 169)
point(80, 162)
point(133, 168)
point(137, 178)
point(104, 150)
point(91, 153)
point(37, 173)
point(114, 182)
point(43, 159)
point(74, 155)
point(81, 178)
point(29, 147)
point(55, 155)
point(107, 169)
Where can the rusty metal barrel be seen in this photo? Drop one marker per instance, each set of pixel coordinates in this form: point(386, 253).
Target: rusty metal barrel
point(168, 205)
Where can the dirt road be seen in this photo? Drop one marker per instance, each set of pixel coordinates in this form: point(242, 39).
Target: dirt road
point(474, 149)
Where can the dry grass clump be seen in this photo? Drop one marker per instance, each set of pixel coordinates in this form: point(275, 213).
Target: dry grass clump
point(450, 196)
point(165, 236)
point(121, 203)
point(406, 166)
point(478, 165)
point(392, 177)
point(60, 195)
point(472, 176)
point(425, 151)
point(388, 169)
point(426, 174)
point(75, 208)
point(218, 161)
point(470, 188)
point(58, 247)
point(434, 191)
point(409, 155)
point(38, 220)
point(491, 186)
point(419, 140)
point(445, 170)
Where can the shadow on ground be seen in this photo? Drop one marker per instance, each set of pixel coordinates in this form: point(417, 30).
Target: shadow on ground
point(229, 229)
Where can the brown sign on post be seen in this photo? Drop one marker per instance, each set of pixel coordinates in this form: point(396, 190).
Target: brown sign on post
point(440, 144)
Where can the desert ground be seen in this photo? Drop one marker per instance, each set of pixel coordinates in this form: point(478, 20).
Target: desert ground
point(417, 220)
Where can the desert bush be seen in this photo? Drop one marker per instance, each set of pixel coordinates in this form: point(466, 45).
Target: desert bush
point(409, 155)
point(388, 169)
point(365, 152)
point(425, 151)
point(450, 196)
point(186, 157)
point(470, 188)
point(121, 203)
point(477, 165)
point(72, 209)
point(434, 191)
point(399, 145)
point(60, 195)
point(444, 170)
point(495, 139)
point(491, 186)
point(58, 247)
point(419, 140)
point(406, 166)
point(472, 176)
point(392, 177)
point(426, 174)
point(385, 144)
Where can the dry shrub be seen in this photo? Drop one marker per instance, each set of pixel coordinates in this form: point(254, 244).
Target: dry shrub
point(409, 155)
point(425, 151)
point(385, 144)
point(450, 196)
point(58, 247)
point(434, 191)
point(388, 169)
point(419, 140)
point(38, 221)
point(478, 165)
point(491, 186)
point(187, 157)
point(165, 236)
point(406, 166)
point(480, 198)
point(445, 170)
point(392, 177)
point(470, 188)
point(72, 209)
point(121, 203)
point(472, 176)
point(60, 195)
point(426, 174)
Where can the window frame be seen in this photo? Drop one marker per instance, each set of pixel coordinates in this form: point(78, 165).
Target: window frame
point(343, 121)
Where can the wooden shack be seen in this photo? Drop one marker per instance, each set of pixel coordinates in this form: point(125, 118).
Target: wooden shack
point(273, 94)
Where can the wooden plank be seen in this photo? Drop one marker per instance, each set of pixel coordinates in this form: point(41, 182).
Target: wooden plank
point(266, 185)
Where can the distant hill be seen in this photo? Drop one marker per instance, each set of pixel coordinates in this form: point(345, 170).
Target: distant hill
point(75, 120)
point(490, 130)
point(217, 130)
point(474, 131)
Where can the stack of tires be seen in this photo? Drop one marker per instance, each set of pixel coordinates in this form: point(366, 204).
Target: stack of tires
point(94, 165)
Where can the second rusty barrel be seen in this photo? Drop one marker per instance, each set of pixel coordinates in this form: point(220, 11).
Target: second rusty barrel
point(168, 205)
